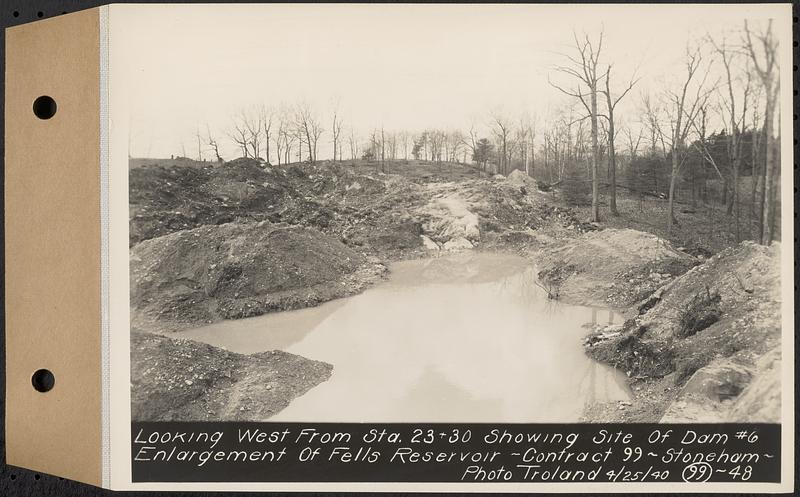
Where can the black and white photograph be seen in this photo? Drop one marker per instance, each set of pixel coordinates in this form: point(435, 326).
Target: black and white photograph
point(399, 247)
point(456, 213)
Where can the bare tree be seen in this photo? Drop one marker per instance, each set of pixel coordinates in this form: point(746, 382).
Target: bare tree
point(755, 147)
point(309, 129)
point(681, 107)
point(436, 140)
point(404, 135)
point(701, 144)
point(762, 47)
point(383, 151)
point(471, 141)
point(501, 127)
point(392, 141)
point(632, 144)
point(584, 68)
point(611, 105)
point(281, 134)
point(239, 136)
point(290, 137)
point(353, 142)
point(736, 119)
point(212, 142)
point(252, 124)
point(336, 130)
point(521, 139)
point(455, 141)
point(266, 116)
point(532, 146)
point(199, 144)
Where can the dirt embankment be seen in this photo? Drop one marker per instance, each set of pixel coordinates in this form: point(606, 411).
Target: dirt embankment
point(702, 339)
point(235, 270)
point(388, 214)
point(172, 198)
point(184, 380)
point(611, 268)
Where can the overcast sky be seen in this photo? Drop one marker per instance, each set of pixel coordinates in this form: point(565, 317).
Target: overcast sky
point(401, 66)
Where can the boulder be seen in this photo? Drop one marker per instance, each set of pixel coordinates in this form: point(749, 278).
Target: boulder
point(458, 244)
point(428, 243)
point(760, 402)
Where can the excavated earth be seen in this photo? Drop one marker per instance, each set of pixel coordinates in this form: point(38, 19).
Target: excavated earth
point(184, 380)
point(236, 270)
point(238, 239)
point(702, 339)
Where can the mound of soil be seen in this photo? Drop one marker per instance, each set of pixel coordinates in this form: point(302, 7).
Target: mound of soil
point(169, 197)
point(239, 270)
point(182, 380)
point(597, 268)
point(731, 304)
point(521, 179)
point(744, 277)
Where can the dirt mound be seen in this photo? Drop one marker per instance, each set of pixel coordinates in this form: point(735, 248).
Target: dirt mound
point(382, 223)
point(182, 380)
point(521, 179)
point(332, 179)
point(239, 270)
point(596, 268)
point(375, 212)
point(742, 278)
point(711, 328)
point(480, 212)
point(165, 198)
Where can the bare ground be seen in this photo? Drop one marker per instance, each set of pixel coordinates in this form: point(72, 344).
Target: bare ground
point(183, 380)
point(704, 346)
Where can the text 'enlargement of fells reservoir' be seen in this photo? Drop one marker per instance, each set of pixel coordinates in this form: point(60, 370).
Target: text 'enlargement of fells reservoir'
point(285, 452)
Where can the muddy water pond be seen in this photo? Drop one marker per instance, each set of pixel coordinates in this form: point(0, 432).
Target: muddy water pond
point(462, 338)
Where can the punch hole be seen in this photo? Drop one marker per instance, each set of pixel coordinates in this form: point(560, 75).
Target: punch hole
point(44, 107)
point(43, 380)
point(15, 13)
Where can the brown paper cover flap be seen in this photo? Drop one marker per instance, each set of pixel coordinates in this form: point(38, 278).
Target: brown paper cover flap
point(52, 233)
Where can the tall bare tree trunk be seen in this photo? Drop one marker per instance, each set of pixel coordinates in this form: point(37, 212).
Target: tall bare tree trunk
point(595, 153)
point(755, 176)
point(672, 181)
point(736, 197)
point(612, 167)
point(766, 219)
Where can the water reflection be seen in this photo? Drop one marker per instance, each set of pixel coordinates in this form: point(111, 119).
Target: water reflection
point(458, 338)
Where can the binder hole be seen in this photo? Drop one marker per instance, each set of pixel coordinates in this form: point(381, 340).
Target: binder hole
point(44, 107)
point(15, 13)
point(43, 380)
point(40, 14)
